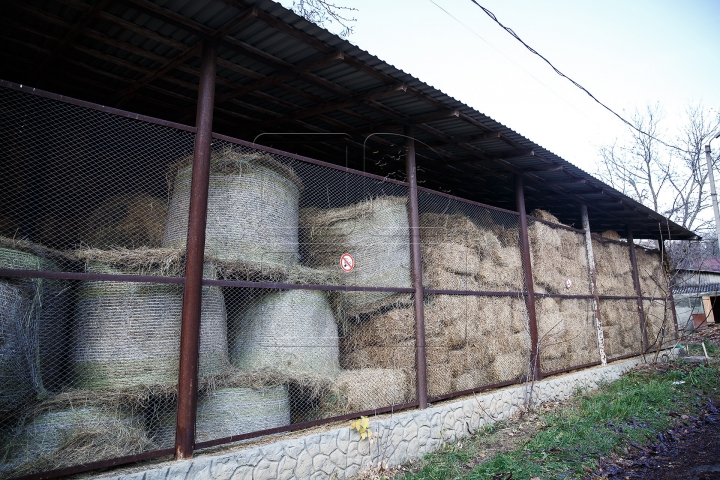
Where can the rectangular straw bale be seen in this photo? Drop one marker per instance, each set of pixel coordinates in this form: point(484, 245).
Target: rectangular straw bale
point(621, 327)
point(613, 268)
point(558, 255)
point(510, 366)
point(659, 323)
point(653, 280)
point(367, 389)
point(401, 355)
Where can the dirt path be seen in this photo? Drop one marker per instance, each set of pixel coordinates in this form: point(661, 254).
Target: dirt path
point(688, 451)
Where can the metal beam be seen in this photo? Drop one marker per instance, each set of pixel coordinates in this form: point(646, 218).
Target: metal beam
point(192, 293)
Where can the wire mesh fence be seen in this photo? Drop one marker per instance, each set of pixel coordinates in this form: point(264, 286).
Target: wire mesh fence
point(307, 299)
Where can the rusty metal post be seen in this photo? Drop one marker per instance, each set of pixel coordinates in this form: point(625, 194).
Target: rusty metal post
point(593, 284)
point(416, 260)
point(671, 297)
point(192, 293)
point(638, 290)
point(529, 285)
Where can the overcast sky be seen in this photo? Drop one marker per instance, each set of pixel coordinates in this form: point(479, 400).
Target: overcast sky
point(628, 53)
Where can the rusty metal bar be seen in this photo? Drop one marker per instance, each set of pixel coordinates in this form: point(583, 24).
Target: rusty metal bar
point(97, 277)
point(464, 200)
point(301, 286)
point(570, 369)
point(299, 426)
point(527, 266)
point(593, 284)
point(94, 106)
point(87, 467)
point(469, 391)
point(671, 297)
point(416, 260)
point(638, 290)
point(192, 293)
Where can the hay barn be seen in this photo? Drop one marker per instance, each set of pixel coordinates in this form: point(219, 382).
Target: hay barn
point(219, 221)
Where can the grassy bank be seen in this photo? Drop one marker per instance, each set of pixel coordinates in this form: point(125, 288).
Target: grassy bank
point(567, 441)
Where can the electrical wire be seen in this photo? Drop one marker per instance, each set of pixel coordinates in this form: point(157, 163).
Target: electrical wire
point(515, 35)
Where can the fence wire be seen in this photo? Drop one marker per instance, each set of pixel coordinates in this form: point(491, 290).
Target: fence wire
point(89, 367)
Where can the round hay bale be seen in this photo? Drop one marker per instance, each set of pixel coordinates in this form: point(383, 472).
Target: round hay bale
point(287, 331)
point(130, 221)
point(365, 389)
point(128, 334)
point(77, 434)
point(35, 316)
point(252, 217)
point(376, 233)
point(15, 380)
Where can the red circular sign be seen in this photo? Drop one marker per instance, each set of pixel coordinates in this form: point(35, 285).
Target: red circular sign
point(347, 262)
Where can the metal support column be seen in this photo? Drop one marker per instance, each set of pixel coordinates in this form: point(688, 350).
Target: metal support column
point(416, 259)
point(529, 285)
point(192, 293)
point(593, 284)
point(638, 290)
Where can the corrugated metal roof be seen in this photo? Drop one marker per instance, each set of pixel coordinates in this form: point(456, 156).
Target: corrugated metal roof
point(279, 73)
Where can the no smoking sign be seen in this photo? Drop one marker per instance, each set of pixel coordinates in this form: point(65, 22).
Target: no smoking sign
point(347, 262)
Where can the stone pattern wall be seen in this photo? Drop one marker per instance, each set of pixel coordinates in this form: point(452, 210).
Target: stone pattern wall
point(340, 453)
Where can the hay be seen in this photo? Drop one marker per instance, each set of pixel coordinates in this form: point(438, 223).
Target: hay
point(58, 436)
point(129, 221)
point(459, 255)
point(613, 268)
point(659, 323)
point(611, 234)
point(15, 379)
point(33, 320)
point(288, 331)
point(546, 216)
point(128, 334)
point(566, 330)
point(140, 261)
point(558, 255)
point(621, 327)
point(653, 280)
point(252, 217)
point(366, 389)
point(464, 334)
point(376, 233)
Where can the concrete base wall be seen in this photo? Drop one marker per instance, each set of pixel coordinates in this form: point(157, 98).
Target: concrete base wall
point(340, 453)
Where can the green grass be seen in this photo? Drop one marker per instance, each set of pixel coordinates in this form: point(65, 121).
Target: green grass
point(571, 440)
point(696, 349)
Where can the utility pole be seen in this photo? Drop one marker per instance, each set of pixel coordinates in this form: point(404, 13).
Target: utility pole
point(713, 194)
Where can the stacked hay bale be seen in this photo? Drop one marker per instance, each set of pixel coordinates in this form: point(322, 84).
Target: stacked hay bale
point(654, 283)
point(33, 323)
point(252, 218)
point(459, 255)
point(621, 327)
point(471, 341)
point(376, 233)
point(128, 334)
point(292, 331)
point(366, 389)
point(76, 428)
point(613, 268)
point(126, 221)
point(566, 333)
point(557, 255)
point(653, 279)
point(614, 276)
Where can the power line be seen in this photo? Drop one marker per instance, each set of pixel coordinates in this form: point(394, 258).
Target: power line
point(515, 35)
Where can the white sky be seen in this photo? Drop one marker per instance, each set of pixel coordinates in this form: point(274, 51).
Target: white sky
point(628, 53)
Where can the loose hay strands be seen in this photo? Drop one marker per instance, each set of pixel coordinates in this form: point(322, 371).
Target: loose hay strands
point(139, 261)
point(130, 221)
point(128, 333)
point(252, 218)
point(376, 233)
point(76, 428)
point(292, 330)
point(557, 255)
point(653, 281)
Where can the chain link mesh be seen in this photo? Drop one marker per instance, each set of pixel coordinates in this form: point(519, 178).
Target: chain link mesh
point(88, 368)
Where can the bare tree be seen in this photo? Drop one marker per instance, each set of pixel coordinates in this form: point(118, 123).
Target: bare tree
point(324, 13)
point(672, 180)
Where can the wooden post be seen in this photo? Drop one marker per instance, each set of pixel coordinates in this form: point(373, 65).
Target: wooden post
point(593, 285)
